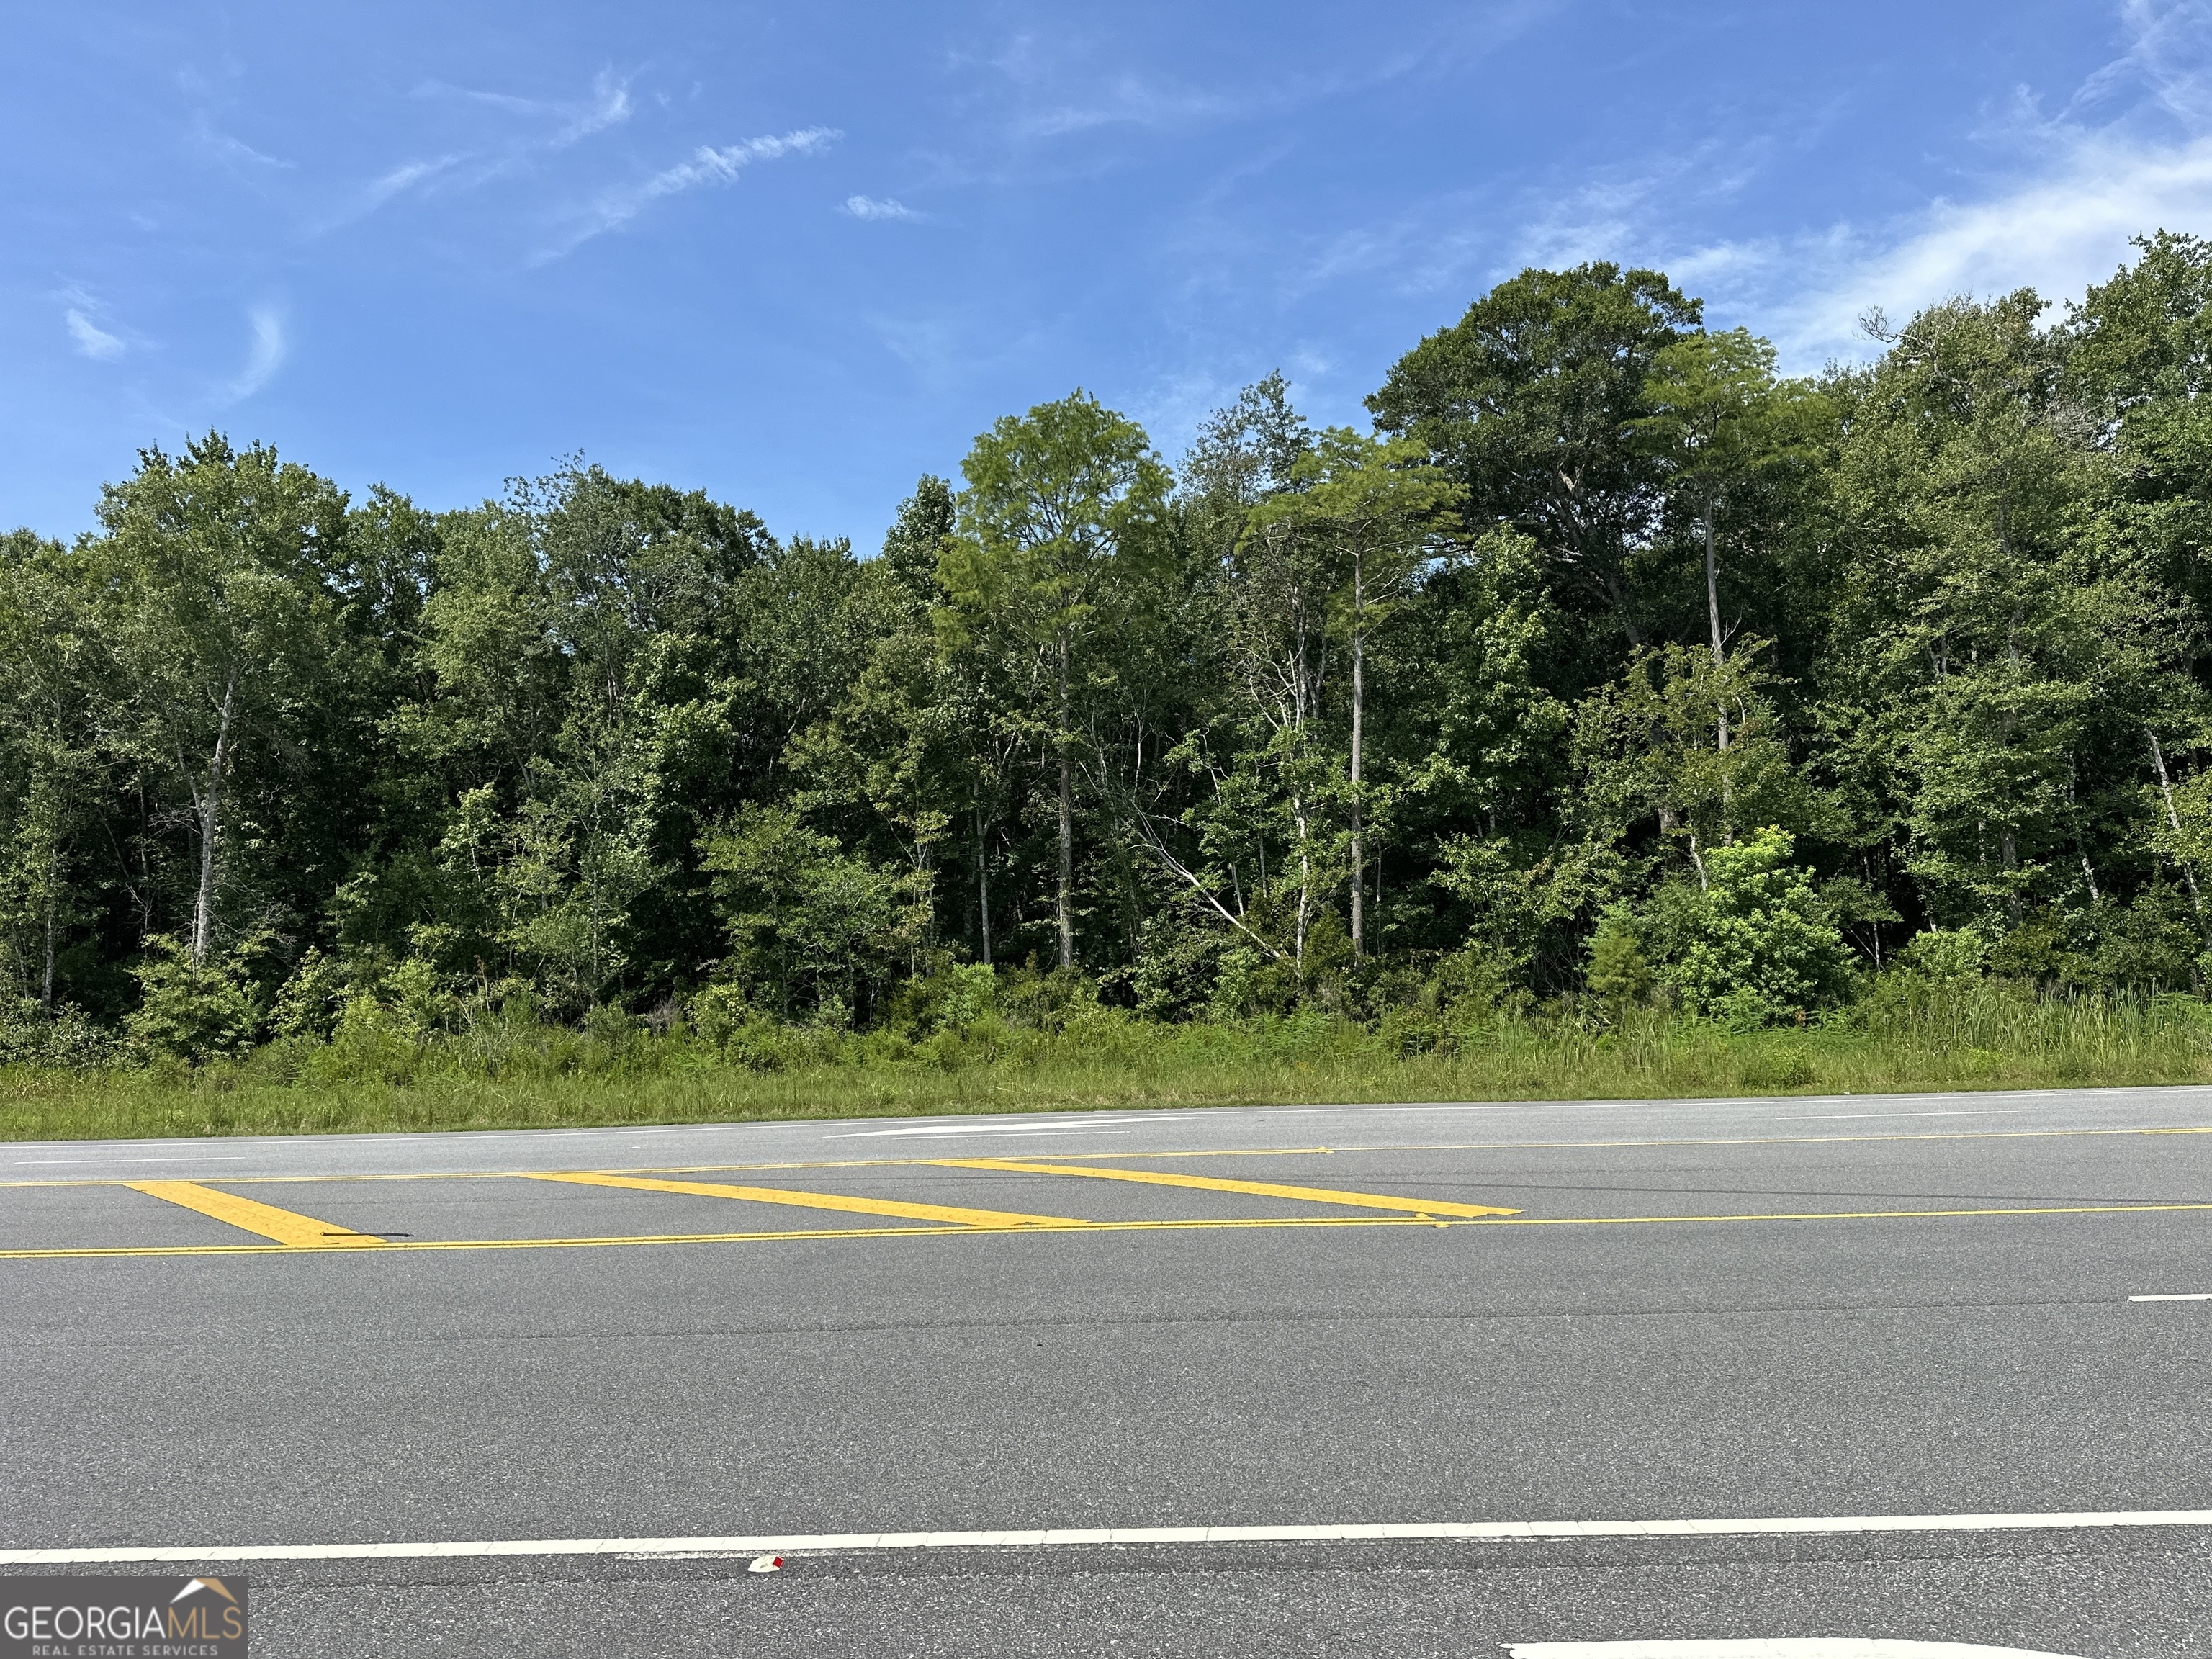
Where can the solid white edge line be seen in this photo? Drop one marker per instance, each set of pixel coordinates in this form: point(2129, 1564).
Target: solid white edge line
point(809, 1543)
point(2192, 1296)
point(1772, 1647)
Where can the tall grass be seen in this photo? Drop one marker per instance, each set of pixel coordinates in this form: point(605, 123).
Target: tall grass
point(1975, 1035)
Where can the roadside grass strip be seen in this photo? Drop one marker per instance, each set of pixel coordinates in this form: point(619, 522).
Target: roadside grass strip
point(292, 1230)
point(856, 1542)
point(943, 1213)
point(1418, 1208)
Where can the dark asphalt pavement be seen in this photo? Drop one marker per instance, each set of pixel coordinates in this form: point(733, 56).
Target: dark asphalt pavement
point(1599, 1355)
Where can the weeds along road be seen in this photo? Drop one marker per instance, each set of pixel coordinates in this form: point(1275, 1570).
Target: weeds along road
point(633, 1360)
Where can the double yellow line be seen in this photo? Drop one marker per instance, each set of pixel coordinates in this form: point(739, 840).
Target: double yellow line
point(289, 1232)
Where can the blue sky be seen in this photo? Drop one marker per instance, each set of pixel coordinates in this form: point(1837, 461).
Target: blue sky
point(798, 255)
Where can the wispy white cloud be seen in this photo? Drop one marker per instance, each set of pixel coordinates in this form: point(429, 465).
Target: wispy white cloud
point(609, 107)
point(707, 165)
point(2129, 152)
point(403, 178)
point(235, 152)
point(266, 357)
point(710, 166)
point(2169, 48)
point(512, 103)
point(1058, 87)
point(91, 339)
point(1616, 214)
point(1134, 100)
point(869, 207)
point(94, 341)
point(373, 195)
point(2057, 234)
point(607, 104)
point(946, 350)
point(2069, 192)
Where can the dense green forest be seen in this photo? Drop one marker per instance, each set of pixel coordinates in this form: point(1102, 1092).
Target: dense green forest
point(1609, 672)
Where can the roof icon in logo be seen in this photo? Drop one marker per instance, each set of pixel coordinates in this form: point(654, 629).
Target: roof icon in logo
point(214, 1585)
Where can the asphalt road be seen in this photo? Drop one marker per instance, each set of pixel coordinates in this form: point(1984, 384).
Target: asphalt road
point(1841, 1307)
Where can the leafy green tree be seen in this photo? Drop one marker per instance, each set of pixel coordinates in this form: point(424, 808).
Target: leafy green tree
point(1381, 516)
point(216, 571)
point(1244, 453)
point(1649, 751)
point(1999, 640)
point(1720, 420)
point(598, 749)
point(916, 538)
point(1281, 763)
point(53, 767)
point(1530, 400)
point(810, 926)
point(1052, 530)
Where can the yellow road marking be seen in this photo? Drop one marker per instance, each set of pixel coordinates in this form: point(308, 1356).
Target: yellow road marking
point(737, 1238)
point(294, 1232)
point(1094, 1227)
point(1258, 1151)
point(1215, 1184)
point(1210, 1151)
point(1520, 1220)
point(938, 1213)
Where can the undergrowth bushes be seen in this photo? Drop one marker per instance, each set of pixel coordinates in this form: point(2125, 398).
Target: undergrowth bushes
point(967, 1040)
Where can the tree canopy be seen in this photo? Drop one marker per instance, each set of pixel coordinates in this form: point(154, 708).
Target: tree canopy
point(1611, 665)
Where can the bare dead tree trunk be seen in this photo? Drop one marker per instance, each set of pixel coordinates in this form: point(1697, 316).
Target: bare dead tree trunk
point(208, 804)
point(983, 886)
point(2080, 840)
point(47, 967)
point(2166, 788)
point(1610, 584)
point(1713, 610)
point(1359, 718)
point(1066, 823)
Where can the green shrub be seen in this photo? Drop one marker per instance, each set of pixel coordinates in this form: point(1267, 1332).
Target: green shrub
point(64, 1038)
point(1754, 945)
point(193, 1012)
point(308, 1004)
point(1619, 972)
point(1177, 968)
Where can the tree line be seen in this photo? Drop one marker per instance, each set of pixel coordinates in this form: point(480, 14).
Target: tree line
point(1609, 665)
